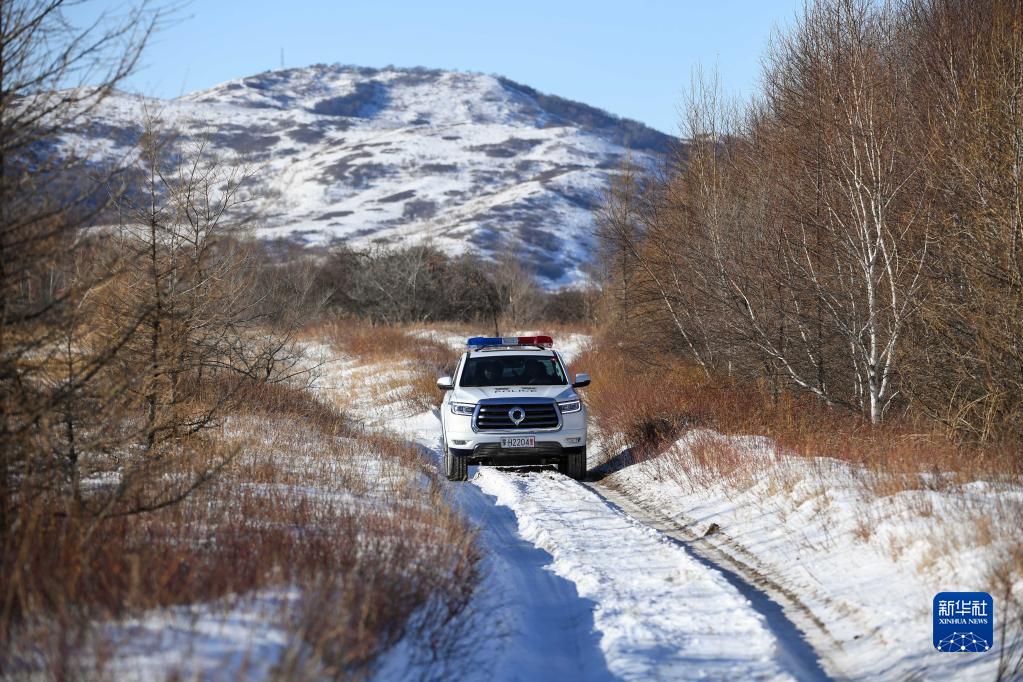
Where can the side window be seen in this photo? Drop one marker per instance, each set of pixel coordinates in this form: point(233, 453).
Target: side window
point(458, 369)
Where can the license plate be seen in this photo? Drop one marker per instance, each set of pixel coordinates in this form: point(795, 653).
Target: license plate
point(518, 441)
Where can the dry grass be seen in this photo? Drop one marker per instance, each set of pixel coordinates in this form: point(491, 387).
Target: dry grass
point(647, 409)
point(378, 343)
point(424, 359)
point(359, 526)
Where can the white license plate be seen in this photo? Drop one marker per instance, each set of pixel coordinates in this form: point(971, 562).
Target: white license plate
point(518, 441)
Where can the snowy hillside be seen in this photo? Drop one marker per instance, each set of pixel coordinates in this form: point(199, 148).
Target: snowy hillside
point(391, 156)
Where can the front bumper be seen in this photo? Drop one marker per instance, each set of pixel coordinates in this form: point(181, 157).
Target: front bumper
point(547, 452)
point(466, 441)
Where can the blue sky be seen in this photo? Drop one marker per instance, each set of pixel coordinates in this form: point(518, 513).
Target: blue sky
point(631, 58)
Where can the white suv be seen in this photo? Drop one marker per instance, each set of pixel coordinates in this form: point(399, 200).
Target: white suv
point(510, 402)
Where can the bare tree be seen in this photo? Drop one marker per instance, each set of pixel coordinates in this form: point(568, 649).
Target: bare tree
point(521, 297)
point(53, 75)
point(412, 284)
point(652, 280)
point(968, 65)
point(199, 337)
point(862, 249)
point(787, 242)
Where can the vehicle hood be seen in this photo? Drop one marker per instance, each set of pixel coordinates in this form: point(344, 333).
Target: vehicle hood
point(474, 395)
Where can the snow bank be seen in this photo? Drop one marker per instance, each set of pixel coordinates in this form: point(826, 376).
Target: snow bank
point(867, 565)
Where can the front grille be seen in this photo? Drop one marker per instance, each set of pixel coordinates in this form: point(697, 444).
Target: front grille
point(494, 416)
point(495, 450)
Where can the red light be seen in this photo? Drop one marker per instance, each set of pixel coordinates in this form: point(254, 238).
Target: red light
point(542, 341)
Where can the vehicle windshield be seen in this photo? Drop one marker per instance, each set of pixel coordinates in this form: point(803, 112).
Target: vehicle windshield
point(512, 370)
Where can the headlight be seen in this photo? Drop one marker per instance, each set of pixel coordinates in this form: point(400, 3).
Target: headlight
point(571, 406)
point(462, 408)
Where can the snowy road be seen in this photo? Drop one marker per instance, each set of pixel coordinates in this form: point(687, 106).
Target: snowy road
point(577, 589)
point(623, 578)
point(544, 629)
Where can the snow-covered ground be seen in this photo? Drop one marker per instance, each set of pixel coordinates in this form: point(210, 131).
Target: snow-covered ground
point(860, 569)
point(248, 636)
point(656, 611)
point(241, 640)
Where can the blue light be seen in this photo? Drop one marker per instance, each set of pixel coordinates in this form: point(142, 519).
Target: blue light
point(480, 341)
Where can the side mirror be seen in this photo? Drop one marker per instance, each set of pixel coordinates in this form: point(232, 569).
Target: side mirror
point(445, 383)
point(581, 380)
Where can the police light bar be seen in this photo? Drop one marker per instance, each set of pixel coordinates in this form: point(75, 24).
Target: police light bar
point(477, 342)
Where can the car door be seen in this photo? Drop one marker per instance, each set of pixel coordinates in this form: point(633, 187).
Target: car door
point(445, 408)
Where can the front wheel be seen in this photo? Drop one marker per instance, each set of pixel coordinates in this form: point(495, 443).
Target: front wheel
point(455, 468)
point(574, 465)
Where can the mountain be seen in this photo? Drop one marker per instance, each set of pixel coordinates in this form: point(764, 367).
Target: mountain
point(393, 156)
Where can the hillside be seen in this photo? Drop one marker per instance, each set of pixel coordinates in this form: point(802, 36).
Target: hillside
point(395, 156)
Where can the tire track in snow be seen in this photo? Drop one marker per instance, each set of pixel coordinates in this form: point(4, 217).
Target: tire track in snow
point(531, 624)
point(773, 601)
point(544, 630)
point(661, 613)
